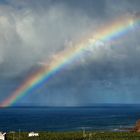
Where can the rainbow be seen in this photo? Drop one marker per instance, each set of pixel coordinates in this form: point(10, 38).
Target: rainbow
point(107, 33)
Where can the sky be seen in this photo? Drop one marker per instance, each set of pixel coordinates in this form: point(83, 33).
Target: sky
point(32, 32)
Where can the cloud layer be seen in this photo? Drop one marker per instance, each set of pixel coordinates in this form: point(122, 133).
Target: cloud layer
point(32, 32)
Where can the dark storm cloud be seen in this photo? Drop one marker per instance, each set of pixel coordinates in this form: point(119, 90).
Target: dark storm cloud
point(92, 8)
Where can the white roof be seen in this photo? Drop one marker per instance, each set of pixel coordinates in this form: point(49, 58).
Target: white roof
point(33, 133)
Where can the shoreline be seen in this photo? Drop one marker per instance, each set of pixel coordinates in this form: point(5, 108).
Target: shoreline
point(80, 135)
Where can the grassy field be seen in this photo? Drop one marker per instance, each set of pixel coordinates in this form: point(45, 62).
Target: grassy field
point(76, 136)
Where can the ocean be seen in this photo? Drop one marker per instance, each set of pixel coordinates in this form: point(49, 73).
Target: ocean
point(97, 117)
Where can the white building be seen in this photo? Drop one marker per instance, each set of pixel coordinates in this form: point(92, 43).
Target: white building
point(2, 136)
point(32, 134)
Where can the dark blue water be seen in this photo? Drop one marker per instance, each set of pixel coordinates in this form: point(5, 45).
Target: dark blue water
point(100, 117)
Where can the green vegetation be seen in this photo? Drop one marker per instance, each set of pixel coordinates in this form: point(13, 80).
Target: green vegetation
point(76, 136)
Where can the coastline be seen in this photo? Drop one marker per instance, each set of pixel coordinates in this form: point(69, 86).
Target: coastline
point(89, 135)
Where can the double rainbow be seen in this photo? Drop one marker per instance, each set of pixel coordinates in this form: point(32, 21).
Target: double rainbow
point(108, 32)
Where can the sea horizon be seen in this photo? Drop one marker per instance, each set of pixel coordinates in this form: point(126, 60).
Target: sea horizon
point(74, 106)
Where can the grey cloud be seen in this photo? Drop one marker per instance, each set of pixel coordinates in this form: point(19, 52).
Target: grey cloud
point(29, 36)
point(32, 31)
